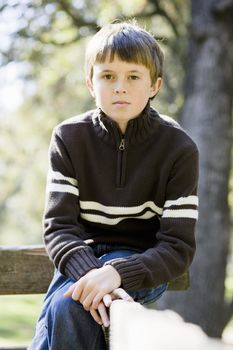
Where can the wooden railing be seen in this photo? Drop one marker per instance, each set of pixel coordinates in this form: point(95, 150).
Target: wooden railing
point(28, 270)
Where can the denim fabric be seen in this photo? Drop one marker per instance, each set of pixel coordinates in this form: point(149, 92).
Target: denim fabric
point(64, 324)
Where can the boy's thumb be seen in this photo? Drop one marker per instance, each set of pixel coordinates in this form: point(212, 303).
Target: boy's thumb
point(69, 292)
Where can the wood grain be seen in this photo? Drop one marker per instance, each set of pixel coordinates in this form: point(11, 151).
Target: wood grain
point(28, 270)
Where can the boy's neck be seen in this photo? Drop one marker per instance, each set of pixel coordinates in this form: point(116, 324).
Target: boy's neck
point(122, 126)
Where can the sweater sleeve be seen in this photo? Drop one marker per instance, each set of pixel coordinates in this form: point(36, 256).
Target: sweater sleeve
point(63, 234)
point(174, 251)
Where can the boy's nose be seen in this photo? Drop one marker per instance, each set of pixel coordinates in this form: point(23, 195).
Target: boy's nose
point(119, 88)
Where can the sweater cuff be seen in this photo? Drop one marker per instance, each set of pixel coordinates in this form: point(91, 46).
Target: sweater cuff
point(80, 263)
point(131, 270)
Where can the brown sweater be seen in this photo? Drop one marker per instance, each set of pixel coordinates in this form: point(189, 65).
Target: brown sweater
point(138, 190)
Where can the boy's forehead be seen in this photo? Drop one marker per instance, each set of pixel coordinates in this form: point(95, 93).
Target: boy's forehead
point(118, 64)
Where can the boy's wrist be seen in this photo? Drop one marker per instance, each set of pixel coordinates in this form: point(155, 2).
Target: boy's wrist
point(115, 274)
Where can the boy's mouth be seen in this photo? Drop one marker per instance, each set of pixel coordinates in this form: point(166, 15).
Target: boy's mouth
point(121, 103)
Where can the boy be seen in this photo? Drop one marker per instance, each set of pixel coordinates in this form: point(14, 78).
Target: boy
point(122, 194)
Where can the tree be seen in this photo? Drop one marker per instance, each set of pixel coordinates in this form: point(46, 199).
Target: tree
point(207, 115)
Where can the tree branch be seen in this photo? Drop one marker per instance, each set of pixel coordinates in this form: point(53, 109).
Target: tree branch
point(223, 6)
point(160, 11)
point(50, 40)
point(77, 20)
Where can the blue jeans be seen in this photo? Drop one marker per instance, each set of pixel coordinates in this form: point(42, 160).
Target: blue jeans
point(65, 325)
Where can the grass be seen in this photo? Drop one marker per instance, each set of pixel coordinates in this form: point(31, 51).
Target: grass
point(18, 317)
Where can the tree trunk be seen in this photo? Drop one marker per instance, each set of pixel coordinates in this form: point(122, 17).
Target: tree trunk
point(207, 117)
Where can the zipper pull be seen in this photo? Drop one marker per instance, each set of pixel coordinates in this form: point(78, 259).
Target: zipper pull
point(122, 145)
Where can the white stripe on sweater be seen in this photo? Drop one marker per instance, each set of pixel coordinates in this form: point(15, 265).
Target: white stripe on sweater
point(88, 205)
point(113, 221)
point(190, 200)
point(62, 188)
point(56, 175)
point(180, 213)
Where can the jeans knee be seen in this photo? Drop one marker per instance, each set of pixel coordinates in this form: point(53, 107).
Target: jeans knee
point(62, 308)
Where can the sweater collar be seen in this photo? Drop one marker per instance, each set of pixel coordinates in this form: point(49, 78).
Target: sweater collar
point(138, 129)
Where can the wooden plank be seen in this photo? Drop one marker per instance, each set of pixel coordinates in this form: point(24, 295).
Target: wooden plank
point(13, 348)
point(24, 270)
point(28, 270)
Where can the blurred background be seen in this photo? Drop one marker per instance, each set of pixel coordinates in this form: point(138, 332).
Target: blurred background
point(42, 46)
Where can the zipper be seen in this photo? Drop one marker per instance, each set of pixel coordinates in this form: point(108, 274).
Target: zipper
point(122, 144)
point(121, 163)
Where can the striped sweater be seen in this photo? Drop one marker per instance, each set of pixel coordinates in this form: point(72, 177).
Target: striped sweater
point(138, 190)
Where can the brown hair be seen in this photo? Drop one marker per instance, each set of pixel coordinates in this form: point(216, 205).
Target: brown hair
point(130, 43)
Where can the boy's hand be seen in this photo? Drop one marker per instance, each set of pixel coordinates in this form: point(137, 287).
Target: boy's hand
point(118, 293)
point(101, 314)
point(90, 289)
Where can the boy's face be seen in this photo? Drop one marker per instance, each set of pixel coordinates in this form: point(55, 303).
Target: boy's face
point(122, 89)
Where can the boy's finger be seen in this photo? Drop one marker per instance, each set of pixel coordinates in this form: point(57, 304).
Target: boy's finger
point(107, 300)
point(97, 299)
point(77, 291)
point(103, 314)
point(69, 291)
point(122, 294)
point(94, 313)
point(87, 300)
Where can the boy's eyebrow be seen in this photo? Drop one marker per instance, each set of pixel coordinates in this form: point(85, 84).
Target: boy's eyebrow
point(135, 71)
point(112, 71)
point(106, 70)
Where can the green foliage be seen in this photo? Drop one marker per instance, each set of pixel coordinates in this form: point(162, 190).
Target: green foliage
point(18, 318)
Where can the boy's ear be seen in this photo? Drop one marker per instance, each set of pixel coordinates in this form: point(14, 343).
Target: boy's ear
point(90, 87)
point(156, 87)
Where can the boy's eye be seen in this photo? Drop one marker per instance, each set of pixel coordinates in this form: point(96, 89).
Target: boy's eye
point(133, 77)
point(108, 76)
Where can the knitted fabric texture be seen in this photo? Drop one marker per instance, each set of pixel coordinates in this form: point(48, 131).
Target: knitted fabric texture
point(136, 190)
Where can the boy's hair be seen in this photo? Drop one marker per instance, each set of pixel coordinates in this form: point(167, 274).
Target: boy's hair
point(130, 43)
